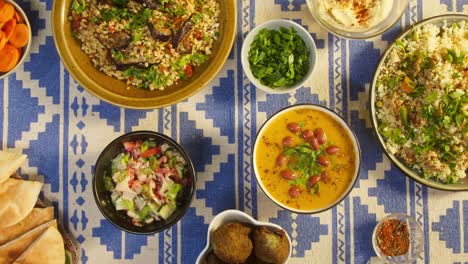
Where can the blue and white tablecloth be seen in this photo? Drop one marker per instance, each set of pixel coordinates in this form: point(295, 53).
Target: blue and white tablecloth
point(45, 114)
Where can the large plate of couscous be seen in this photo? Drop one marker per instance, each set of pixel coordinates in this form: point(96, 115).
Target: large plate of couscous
point(144, 54)
point(419, 102)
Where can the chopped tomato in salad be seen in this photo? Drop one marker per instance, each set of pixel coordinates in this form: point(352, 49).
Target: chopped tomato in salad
point(146, 180)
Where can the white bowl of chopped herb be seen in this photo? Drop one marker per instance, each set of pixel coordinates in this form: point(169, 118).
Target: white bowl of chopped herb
point(279, 56)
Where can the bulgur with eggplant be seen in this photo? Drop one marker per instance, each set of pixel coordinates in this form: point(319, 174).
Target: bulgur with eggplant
point(151, 44)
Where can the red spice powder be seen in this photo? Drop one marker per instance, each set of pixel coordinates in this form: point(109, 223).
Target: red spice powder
point(393, 237)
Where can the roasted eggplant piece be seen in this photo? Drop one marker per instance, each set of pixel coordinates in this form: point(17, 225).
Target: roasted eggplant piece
point(115, 40)
point(159, 33)
point(125, 62)
point(183, 32)
point(122, 65)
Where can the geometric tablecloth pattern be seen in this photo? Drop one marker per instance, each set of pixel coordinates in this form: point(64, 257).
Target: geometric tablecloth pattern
point(45, 114)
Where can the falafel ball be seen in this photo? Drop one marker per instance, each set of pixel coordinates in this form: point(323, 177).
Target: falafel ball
point(271, 246)
point(231, 242)
point(213, 259)
point(254, 260)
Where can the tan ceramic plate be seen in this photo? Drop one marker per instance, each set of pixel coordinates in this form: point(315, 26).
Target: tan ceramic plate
point(114, 91)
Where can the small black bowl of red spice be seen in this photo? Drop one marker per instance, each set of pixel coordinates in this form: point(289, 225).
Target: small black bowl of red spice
point(398, 238)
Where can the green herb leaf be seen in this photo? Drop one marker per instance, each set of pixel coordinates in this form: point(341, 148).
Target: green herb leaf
point(455, 58)
point(79, 6)
point(196, 18)
point(431, 97)
point(172, 161)
point(115, 14)
point(151, 75)
point(404, 115)
point(108, 183)
point(137, 35)
point(140, 19)
point(199, 58)
point(400, 44)
point(278, 58)
point(456, 94)
point(117, 55)
point(120, 2)
point(299, 181)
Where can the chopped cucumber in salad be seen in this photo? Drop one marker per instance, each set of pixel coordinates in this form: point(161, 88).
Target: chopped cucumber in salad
point(146, 180)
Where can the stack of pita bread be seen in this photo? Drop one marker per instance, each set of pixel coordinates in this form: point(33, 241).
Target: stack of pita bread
point(27, 234)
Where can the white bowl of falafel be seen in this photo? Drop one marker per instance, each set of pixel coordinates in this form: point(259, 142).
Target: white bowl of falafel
point(235, 237)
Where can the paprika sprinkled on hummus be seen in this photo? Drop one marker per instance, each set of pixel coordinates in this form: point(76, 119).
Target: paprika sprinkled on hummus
point(393, 237)
point(355, 14)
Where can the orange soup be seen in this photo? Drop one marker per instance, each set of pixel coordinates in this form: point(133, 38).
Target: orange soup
point(305, 159)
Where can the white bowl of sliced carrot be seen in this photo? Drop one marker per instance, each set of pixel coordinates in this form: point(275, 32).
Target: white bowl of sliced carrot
point(15, 35)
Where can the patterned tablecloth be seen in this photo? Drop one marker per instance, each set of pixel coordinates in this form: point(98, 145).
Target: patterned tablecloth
point(62, 128)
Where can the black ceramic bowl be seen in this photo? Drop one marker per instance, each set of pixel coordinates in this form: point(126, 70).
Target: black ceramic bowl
point(103, 197)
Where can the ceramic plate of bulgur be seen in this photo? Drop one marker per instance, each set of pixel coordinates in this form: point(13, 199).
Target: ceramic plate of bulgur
point(419, 102)
point(143, 53)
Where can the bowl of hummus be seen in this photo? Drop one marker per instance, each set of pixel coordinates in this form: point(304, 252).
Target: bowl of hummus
point(357, 19)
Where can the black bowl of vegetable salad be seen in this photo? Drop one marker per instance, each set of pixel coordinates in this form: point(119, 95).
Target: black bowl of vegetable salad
point(143, 182)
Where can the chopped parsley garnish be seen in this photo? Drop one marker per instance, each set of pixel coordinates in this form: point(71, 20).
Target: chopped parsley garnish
point(197, 18)
point(79, 6)
point(140, 19)
point(150, 76)
point(279, 58)
point(454, 57)
point(117, 55)
point(199, 58)
point(303, 159)
point(120, 2)
point(115, 13)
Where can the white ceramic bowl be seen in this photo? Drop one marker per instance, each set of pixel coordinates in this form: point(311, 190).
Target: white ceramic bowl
point(397, 10)
point(236, 216)
point(276, 24)
point(26, 48)
point(346, 127)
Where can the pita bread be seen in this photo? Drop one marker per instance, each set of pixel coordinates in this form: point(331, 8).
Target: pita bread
point(17, 198)
point(48, 248)
point(13, 249)
point(37, 217)
point(9, 163)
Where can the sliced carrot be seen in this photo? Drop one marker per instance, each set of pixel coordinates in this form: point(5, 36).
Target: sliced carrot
point(18, 17)
point(2, 3)
point(407, 85)
point(9, 57)
point(9, 27)
point(20, 36)
point(3, 39)
point(7, 12)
